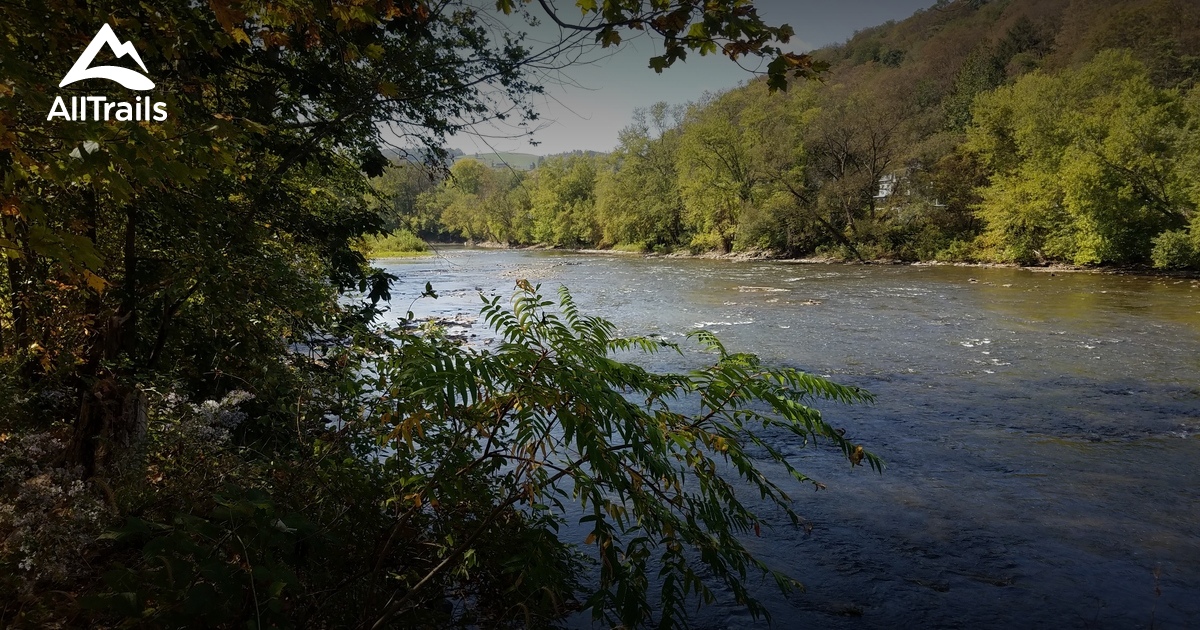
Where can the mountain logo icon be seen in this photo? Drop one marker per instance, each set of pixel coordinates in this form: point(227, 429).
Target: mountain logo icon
point(82, 69)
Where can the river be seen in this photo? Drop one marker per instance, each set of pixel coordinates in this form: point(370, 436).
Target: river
point(1041, 430)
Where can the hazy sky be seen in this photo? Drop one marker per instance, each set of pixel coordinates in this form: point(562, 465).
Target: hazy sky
point(588, 114)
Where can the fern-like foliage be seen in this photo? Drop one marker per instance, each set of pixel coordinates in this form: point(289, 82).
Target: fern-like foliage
point(548, 424)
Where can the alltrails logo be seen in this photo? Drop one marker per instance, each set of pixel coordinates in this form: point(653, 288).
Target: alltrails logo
point(83, 108)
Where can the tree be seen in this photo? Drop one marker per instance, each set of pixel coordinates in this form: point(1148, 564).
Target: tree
point(1159, 34)
point(1180, 249)
point(773, 129)
point(982, 71)
point(716, 175)
point(397, 191)
point(562, 201)
point(637, 196)
point(481, 203)
point(261, 97)
point(255, 122)
point(1092, 178)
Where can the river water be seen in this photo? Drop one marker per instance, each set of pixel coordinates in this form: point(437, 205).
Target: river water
point(1041, 430)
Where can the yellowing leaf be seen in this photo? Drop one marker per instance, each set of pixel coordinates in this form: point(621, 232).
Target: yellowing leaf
point(94, 281)
point(856, 457)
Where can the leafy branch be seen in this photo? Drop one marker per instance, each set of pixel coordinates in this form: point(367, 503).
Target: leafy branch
point(550, 425)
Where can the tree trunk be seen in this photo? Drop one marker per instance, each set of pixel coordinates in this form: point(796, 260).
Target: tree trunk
point(112, 411)
point(17, 278)
point(112, 420)
point(802, 202)
point(16, 308)
point(127, 336)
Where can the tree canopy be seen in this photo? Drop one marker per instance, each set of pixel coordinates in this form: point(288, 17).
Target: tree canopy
point(1021, 132)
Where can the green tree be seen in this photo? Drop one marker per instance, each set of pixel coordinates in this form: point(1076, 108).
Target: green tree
point(773, 129)
point(637, 196)
point(396, 191)
point(982, 71)
point(562, 201)
point(260, 94)
point(462, 199)
point(1088, 164)
point(717, 176)
point(1180, 249)
point(1157, 33)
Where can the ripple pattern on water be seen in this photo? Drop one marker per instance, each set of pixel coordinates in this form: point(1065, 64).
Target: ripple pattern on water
point(1041, 431)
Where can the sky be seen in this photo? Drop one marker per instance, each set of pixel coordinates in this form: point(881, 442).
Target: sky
point(590, 103)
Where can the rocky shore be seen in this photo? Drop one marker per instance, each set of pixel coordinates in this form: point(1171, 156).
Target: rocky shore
point(764, 255)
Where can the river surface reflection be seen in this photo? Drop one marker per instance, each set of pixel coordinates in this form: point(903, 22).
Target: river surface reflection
point(1041, 431)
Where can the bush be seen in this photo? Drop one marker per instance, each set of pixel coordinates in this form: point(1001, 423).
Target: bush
point(959, 251)
point(397, 244)
point(49, 521)
point(706, 242)
point(547, 426)
point(1177, 249)
point(637, 248)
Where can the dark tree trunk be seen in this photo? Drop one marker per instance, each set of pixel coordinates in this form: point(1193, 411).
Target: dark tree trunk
point(112, 411)
point(802, 200)
point(112, 420)
point(127, 340)
point(20, 322)
point(18, 277)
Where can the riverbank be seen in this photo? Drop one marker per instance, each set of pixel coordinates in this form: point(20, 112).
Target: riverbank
point(763, 255)
point(398, 254)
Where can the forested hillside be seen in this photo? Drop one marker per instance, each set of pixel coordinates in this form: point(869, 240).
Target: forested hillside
point(1026, 131)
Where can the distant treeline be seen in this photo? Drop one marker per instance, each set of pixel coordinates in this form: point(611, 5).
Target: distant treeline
point(1012, 131)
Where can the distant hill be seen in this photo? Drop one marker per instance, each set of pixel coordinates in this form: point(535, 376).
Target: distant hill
point(577, 153)
point(999, 40)
point(416, 155)
point(505, 159)
point(521, 161)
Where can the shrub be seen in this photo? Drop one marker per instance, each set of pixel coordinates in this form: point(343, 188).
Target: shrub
point(547, 425)
point(50, 520)
point(959, 251)
point(637, 248)
point(706, 242)
point(1177, 249)
point(399, 243)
